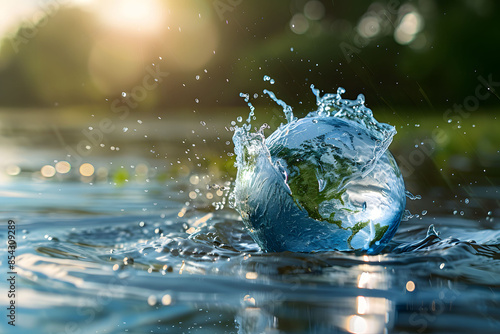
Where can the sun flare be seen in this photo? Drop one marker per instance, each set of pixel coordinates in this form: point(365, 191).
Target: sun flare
point(143, 16)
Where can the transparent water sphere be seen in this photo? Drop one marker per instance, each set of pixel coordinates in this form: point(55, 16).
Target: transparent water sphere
point(320, 183)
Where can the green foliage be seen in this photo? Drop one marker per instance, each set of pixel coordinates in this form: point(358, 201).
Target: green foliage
point(306, 167)
point(121, 176)
point(49, 63)
point(355, 229)
point(379, 232)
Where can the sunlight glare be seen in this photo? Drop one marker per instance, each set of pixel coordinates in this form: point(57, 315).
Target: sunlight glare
point(357, 324)
point(362, 304)
point(133, 15)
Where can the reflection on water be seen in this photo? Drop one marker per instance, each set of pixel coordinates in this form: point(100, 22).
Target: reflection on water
point(185, 269)
point(146, 253)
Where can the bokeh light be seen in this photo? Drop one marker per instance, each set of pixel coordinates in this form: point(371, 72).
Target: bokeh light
point(12, 170)
point(63, 167)
point(141, 170)
point(87, 169)
point(369, 26)
point(314, 10)
point(410, 25)
point(48, 171)
point(194, 179)
point(152, 300)
point(357, 324)
point(193, 37)
point(166, 300)
point(299, 24)
point(251, 275)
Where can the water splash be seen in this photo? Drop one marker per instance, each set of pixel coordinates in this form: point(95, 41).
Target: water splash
point(251, 114)
point(322, 182)
point(268, 78)
point(411, 196)
point(286, 108)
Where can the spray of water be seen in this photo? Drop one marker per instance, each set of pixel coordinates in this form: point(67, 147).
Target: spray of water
point(323, 182)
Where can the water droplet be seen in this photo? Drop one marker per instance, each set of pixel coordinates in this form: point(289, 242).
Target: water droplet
point(361, 99)
point(411, 196)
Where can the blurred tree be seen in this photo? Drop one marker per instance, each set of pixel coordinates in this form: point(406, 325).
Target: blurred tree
point(47, 64)
point(212, 55)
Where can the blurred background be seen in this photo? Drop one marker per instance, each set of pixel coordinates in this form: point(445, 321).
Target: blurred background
point(116, 120)
point(87, 82)
point(401, 54)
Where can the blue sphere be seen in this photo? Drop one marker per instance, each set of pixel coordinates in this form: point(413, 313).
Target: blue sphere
point(318, 184)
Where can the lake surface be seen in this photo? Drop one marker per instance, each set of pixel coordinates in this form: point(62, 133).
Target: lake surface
point(139, 247)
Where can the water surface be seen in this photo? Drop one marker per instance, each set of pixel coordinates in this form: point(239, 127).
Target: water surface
point(144, 256)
